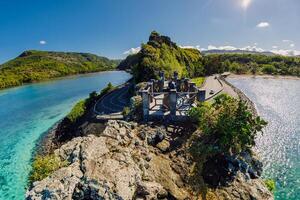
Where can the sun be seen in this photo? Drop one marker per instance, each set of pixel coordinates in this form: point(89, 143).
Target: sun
point(245, 3)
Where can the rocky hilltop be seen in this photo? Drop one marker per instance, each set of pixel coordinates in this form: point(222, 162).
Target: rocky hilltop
point(146, 161)
point(160, 53)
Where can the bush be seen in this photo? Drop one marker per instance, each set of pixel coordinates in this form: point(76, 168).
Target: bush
point(198, 81)
point(77, 111)
point(136, 107)
point(43, 166)
point(268, 69)
point(230, 122)
point(126, 111)
point(107, 89)
point(270, 183)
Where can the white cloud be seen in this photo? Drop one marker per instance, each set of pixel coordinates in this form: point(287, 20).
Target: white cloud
point(232, 48)
point(292, 45)
point(132, 51)
point(286, 52)
point(227, 47)
point(190, 47)
point(252, 48)
point(255, 48)
point(263, 25)
point(275, 50)
point(43, 42)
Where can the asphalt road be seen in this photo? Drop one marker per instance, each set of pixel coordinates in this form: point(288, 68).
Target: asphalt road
point(113, 102)
point(211, 84)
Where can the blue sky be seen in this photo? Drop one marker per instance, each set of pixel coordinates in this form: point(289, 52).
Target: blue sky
point(111, 27)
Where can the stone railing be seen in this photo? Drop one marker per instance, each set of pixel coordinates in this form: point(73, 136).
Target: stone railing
point(171, 96)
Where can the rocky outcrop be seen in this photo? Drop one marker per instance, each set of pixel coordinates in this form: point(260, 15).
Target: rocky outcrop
point(115, 165)
point(130, 161)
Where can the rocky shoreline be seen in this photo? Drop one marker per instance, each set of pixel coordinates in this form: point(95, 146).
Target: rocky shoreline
point(141, 161)
point(129, 160)
point(173, 167)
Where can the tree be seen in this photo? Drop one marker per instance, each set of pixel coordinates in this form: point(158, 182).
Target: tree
point(230, 122)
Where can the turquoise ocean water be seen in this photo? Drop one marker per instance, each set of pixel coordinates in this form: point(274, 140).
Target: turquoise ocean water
point(27, 112)
point(278, 101)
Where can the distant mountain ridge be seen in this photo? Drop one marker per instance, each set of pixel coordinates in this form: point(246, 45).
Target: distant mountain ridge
point(237, 51)
point(32, 66)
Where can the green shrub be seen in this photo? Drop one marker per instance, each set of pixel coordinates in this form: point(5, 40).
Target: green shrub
point(268, 69)
point(107, 89)
point(198, 81)
point(230, 122)
point(77, 111)
point(136, 107)
point(270, 183)
point(126, 111)
point(43, 166)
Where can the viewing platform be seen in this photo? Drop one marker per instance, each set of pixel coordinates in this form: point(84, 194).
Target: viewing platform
point(170, 99)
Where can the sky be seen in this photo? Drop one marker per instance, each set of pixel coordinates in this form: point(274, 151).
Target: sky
point(115, 28)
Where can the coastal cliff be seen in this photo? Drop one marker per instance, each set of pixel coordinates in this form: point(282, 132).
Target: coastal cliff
point(145, 161)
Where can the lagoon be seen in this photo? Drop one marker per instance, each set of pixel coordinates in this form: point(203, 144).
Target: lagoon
point(27, 112)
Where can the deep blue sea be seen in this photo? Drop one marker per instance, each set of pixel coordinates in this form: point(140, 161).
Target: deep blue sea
point(278, 102)
point(27, 112)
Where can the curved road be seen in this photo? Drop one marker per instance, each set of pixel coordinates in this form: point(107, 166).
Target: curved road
point(113, 102)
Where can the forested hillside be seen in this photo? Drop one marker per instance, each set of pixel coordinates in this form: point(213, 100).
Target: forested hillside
point(252, 64)
point(160, 53)
point(32, 66)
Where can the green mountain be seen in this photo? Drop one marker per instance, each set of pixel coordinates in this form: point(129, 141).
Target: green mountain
point(160, 53)
point(32, 66)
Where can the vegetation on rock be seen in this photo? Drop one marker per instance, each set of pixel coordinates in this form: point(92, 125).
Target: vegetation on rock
point(32, 66)
point(229, 123)
point(160, 53)
point(270, 183)
point(77, 111)
point(134, 112)
point(199, 81)
point(107, 89)
point(43, 166)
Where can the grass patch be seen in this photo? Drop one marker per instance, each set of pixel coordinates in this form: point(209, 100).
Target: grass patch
point(77, 111)
point(43, 166)
point(198, 81)
point(107, 89)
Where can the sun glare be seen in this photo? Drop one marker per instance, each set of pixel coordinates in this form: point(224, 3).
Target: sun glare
point(245, 3)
